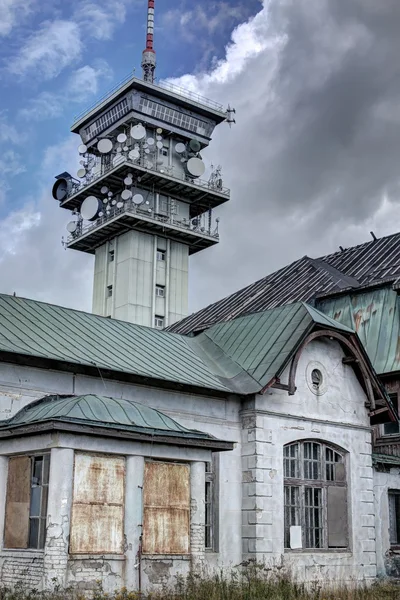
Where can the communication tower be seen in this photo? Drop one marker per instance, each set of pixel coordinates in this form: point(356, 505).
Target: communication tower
point(139, 202)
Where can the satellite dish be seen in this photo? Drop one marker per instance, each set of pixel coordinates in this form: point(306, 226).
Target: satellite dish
point(104, 146)
point(120, 205)
point(138, 199)
point(104, 190)
point(121, 138)
point(138, 132)
point(149, 165)
point(72, 226)
point(101, 214)
point(119, 149)
point(195, 145)
point(128, 180)
point(61, 189)
point(151, 141)
point(195, 167)
point(90, 208)
point(82, 149)
point(160, 145)
point(114, 202)
point(180, 148)
point(147, 151)
point(159, 138)
point(126, 148)
point(81, 173)
point(159, 131)
point(134, 155)
point(126, 195)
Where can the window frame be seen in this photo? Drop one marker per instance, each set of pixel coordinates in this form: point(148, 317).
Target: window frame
point(311, 474)
point(161, 255)
point(109, 291)
point(393, 495)
point(211, 501)
point(41, 517)
point(160, 291)
point(394, 397)
point(161, 323)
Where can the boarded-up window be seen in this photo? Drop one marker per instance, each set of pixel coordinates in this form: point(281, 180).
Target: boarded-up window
point(166, 521)
point(394, 517)
point(337, 517)
point(26, 503)
point(98, 505)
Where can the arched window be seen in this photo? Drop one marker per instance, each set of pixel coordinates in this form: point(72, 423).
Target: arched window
point(315, 496)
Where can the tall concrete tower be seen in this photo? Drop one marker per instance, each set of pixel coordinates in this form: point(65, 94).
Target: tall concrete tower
point(139, 201)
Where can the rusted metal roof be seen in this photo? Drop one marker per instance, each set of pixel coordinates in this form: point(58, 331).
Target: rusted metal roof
point(368, 264)
point(101, 411)
point(375, 316)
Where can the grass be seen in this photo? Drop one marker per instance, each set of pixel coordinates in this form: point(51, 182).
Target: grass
point(253, 582)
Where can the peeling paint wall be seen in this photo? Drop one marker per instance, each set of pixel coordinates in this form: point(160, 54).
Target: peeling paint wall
point(385, 479)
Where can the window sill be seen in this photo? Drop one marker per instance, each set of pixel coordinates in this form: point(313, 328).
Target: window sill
point(26, 552)
point(166, 557)
point(103, 556)
point(303, 551)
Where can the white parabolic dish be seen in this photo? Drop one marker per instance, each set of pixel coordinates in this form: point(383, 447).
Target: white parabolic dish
point(90, 207)
point(82, 149)
point(104, 146)
point(138, 199)
point(138, 132)
point(81, 173)
point(126, 194)
point(122, 138)
point(71, 227)
point(180, 148)
point(195, 167)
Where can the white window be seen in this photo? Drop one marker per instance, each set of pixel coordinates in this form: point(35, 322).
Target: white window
point(158, 322)
point(161, 255)
point(109, 291)
point(315, 496)
point(160, 291)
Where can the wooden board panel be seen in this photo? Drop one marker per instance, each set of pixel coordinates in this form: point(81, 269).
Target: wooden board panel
point(17, 503)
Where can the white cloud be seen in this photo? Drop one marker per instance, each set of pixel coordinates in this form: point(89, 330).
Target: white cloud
point(84, 82)
point(44, 106)
point(12, 13)
point(56, 45)
point(100, 20)
point(15, 227)
point(11, 163)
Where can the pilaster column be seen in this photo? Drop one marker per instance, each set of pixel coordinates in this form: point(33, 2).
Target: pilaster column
point(197, 512)
point(58, 517)
point(133, 518)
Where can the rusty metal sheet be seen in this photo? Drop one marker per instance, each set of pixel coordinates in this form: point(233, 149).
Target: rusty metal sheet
point(98, 504)
point(99, 479)
point(97, 529)
point(166, 500)
point(17, 502)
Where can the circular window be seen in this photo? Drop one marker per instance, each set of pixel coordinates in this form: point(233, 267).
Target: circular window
point(316, 379)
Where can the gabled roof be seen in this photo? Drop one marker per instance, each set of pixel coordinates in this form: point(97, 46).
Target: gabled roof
point(260, 345)
point(78, 413)
point(368, 264)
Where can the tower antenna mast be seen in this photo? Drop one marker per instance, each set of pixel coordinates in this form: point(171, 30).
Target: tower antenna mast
point(149, 55)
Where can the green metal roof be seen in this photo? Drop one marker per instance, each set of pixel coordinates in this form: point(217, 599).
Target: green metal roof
point(242, 355)
point(375, 316)
point(100, 412)
point(46, 331)
point(261, 344)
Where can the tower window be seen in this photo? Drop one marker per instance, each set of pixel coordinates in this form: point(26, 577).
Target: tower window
point(164, 151)
point(161, 254)
point(160, 291)
point(109, 291)
point(111, 256)
point(158, 322)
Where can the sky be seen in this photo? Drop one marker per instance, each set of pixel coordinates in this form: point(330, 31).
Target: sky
point(313, 161)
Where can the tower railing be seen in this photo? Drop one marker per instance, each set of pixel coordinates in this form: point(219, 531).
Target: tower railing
point(166, 85)
point(171, 172)
point(130, 207)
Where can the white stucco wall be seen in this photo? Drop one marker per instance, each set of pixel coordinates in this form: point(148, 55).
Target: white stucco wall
point(388, 559)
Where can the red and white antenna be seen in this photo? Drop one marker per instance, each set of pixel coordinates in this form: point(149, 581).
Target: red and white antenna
point(149, 55)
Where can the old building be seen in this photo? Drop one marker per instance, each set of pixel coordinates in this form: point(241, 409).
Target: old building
point(130, 454)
